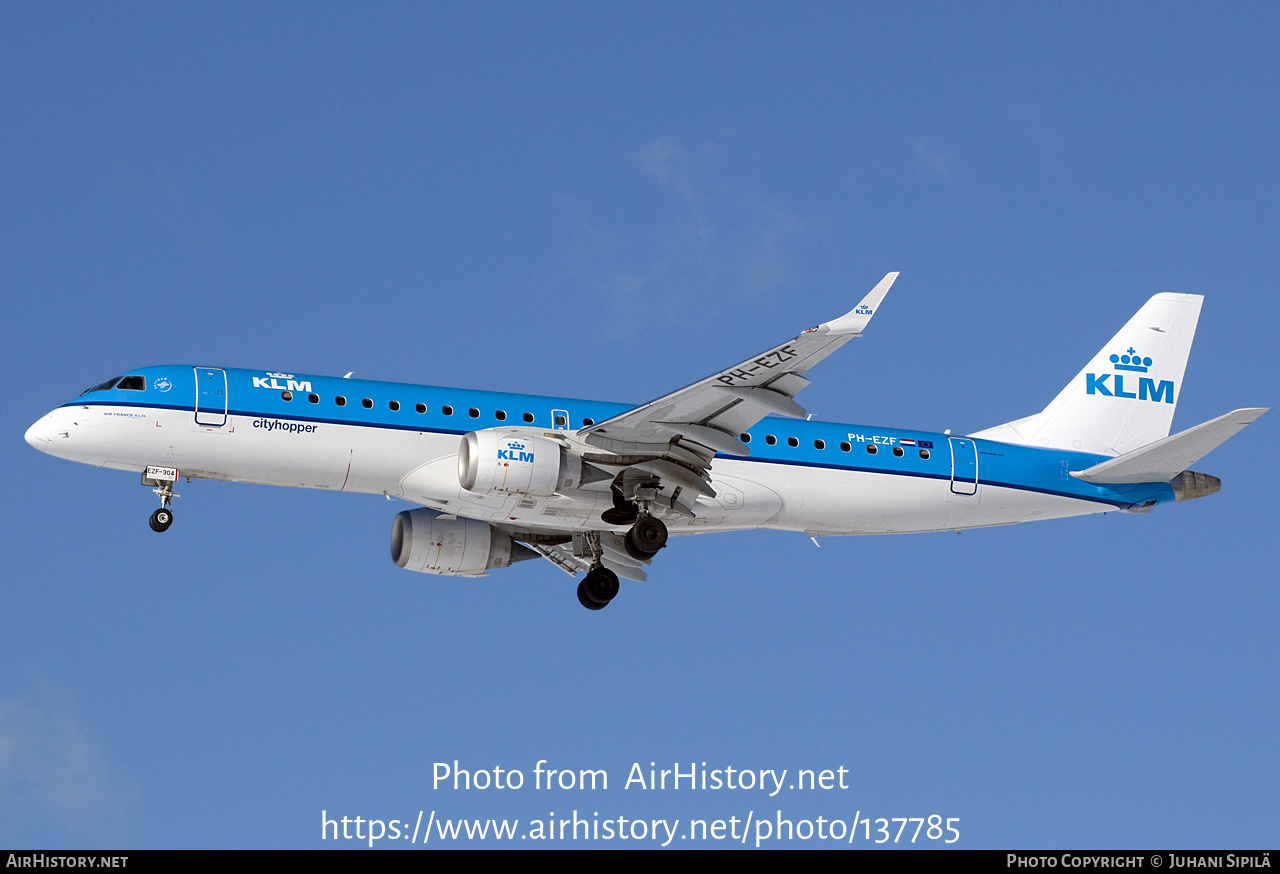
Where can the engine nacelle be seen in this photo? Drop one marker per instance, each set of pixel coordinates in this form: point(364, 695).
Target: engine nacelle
point(423, 541)
point(514, 464)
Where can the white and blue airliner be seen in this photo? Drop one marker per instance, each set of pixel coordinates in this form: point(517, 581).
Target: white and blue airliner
point(597, 487)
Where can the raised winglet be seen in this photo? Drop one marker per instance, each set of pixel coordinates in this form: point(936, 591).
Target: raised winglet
point(854, 321)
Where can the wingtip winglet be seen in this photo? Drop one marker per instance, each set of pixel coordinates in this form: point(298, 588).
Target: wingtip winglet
point(854, 321)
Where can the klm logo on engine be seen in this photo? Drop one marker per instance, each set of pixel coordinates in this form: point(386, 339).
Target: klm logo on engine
point(272, 381)
point(514, 452)
point(1130, 362)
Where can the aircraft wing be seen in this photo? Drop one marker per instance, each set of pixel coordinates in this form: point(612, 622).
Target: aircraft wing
point(676, 436)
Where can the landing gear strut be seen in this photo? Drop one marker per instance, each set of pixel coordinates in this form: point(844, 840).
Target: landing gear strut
point(161, 519)
point(601, 584)
point(648, 534)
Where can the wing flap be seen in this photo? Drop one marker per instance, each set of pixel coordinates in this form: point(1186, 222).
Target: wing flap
point(678, 475)
point(710, 437)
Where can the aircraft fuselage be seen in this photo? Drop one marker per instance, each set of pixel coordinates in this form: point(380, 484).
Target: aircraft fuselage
point(402, 440)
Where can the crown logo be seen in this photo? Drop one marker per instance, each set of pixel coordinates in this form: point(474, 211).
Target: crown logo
point(515, 445)
point(280, 375)
point(1131, 360)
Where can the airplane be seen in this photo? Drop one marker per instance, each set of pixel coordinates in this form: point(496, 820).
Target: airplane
point(598, 487)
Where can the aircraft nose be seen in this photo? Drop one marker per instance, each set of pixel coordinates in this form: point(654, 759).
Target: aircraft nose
point(38, 435)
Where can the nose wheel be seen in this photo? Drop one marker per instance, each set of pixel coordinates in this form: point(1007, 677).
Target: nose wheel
point(161, 519)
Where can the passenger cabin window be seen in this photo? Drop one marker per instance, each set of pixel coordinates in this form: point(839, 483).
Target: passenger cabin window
point(473, 413)
point(845, 447)
point(340, 401)
point(560, 422)
point(528, 418)
point(924, 453)
point(132, 383)
point(744, 437)
point(500, 415)
point(286, 395)
point(313, 399)
point(587, 423)
point(770, 439)
point(447, 410)
point(897, 451)
point(394, 406)
point(367, 404)
point(421, 408)
point(793, 442)
point(819, 444)
point(871, 449)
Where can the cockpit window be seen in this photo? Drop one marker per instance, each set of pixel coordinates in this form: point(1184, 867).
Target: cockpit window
point(109, 384)
point(132, 383)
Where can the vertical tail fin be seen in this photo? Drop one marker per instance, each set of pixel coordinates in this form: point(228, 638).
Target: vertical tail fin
point(1125, 397)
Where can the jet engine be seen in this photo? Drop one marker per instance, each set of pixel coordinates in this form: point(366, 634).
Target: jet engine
point(421, 540)
point(504, 463)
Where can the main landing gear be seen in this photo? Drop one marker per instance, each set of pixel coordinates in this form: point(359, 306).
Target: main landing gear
point(643, 540)
point(598, 589)
point(646, 537)
point(601, 584)
point(648, 534)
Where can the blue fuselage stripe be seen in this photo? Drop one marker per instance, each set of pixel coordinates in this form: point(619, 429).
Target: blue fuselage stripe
point(1002, 465)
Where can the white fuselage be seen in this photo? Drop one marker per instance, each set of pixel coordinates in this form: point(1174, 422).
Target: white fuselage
point(422, 467)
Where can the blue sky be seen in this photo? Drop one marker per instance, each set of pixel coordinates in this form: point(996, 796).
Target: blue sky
point(610, 201)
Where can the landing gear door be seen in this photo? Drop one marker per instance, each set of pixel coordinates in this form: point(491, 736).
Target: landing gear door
point(211, 396)
point(964, 466)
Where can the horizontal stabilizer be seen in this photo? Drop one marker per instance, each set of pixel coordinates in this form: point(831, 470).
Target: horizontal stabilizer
point(1163, 460)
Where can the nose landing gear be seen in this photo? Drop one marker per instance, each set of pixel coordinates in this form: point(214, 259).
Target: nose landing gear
point(163, 479)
